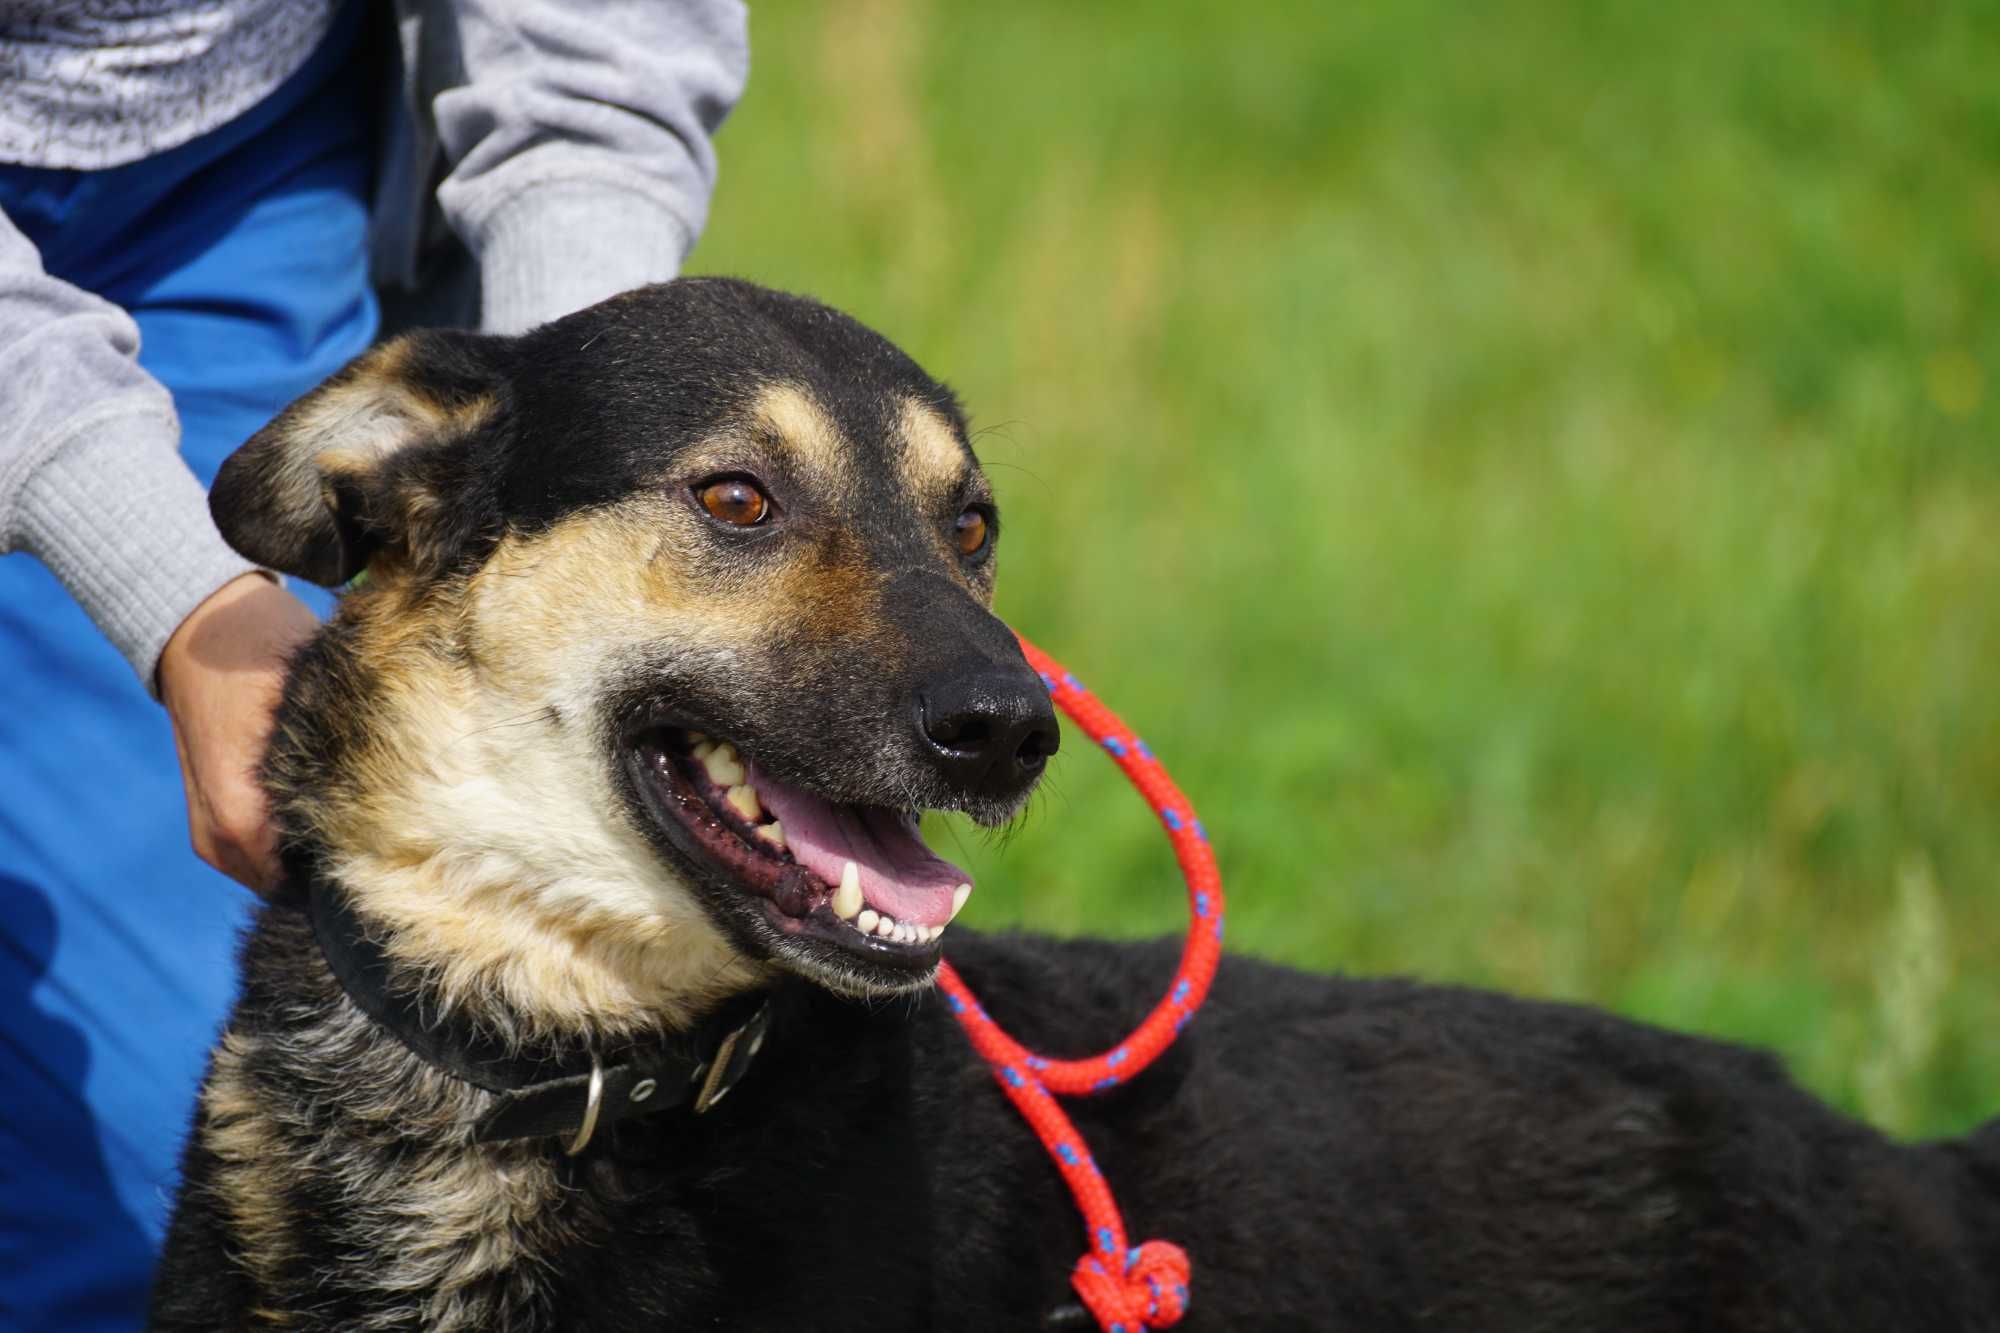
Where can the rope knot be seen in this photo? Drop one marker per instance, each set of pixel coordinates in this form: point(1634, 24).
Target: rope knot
point(1152, 1292)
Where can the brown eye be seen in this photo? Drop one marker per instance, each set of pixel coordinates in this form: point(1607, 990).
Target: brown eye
point(971, 532)
point(734, 500)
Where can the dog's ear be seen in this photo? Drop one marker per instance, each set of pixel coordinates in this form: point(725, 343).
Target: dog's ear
point(359, 465)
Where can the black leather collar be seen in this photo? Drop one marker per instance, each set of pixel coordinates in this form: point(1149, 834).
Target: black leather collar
point(572, 1091)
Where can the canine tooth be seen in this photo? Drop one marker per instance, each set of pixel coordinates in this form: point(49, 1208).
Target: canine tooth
point(703, 749)
point(743, 800)
point(866, 922)
point(773, 833)
point(725, 768)
point(958, 897)
point(847, 898)
point(885, 927)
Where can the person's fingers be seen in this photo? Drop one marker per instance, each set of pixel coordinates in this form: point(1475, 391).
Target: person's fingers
point(244, 841)
point(221, 677)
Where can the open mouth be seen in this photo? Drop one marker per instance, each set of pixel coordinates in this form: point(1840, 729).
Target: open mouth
point(856, 877)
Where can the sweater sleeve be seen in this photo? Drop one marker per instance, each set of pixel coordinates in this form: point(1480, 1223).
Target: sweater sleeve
point(579, 144)
point(91, 477)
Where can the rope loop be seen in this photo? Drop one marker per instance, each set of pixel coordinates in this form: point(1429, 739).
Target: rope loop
point(1126, 1290)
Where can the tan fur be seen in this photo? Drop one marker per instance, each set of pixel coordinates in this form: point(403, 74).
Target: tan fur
point(934, 462)
point(249, 1175)
point(483, 825)
point(788, 413)
point(455, 1224)
point(371, 411)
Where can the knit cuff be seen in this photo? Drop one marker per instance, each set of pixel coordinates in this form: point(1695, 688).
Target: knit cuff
point(124, 526)
point(560, 246)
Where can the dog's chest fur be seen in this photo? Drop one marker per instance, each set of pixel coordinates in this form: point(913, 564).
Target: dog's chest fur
point(1333, 1154)
point(866, 1173)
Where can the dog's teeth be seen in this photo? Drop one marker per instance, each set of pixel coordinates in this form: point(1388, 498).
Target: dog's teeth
point(743, 800)
point(931, 933)
point(885, 927)
point(703, 749)
point(958, 897)
point(725, 768)
point(867, 921)
point(847, 898)
point(903, 932)
point(773, 833)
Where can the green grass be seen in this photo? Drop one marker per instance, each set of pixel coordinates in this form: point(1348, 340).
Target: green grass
point(1531, 469)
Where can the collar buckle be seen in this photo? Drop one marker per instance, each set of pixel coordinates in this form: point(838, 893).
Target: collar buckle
point(730, 1062)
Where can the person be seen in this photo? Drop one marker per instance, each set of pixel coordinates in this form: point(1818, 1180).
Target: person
point(197, 202)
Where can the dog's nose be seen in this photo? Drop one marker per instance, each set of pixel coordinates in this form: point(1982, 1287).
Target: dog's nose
point(991, 733)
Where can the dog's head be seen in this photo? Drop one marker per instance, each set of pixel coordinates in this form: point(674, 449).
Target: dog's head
point(674, 621)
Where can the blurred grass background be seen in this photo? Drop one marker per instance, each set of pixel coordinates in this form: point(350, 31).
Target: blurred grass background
point(1529, 468)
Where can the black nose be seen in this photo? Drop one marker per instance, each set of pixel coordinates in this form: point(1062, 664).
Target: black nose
point(991, 732)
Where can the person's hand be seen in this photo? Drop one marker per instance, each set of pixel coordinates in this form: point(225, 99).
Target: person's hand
point(221, 675)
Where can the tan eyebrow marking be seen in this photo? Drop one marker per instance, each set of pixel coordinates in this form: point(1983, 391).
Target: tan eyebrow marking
point(803, 427)
point(933, 459)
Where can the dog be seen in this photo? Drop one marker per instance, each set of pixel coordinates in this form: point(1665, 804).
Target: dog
point(599, 993)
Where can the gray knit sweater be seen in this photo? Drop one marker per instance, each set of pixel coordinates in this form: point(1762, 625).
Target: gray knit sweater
point(577, 140)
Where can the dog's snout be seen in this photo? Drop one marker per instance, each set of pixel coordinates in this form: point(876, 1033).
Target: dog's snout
point(991, 733)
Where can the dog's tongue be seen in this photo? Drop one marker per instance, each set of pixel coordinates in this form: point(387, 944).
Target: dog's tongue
point(900, 877)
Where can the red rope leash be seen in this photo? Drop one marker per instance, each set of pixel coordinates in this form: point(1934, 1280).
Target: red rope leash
point(1146, 1286)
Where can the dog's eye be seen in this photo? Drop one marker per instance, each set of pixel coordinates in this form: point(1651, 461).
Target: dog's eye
point(734, 500)
point(971, 531)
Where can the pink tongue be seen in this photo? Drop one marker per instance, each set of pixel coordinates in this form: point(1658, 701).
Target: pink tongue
point(900, 877)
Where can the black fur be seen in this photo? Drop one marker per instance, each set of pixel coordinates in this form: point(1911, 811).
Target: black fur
point(1335, 1154)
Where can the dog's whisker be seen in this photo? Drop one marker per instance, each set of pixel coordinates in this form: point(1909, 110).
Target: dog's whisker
point(546, 713)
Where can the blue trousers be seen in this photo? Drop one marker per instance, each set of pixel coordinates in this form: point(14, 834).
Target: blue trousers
point(242, 256)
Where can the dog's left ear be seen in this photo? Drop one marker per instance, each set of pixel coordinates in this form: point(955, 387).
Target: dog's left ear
point(358, 466)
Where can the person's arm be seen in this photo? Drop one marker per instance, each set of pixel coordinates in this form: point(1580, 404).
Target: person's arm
point(91, 477)
point(92, 484)
point(579, 144)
